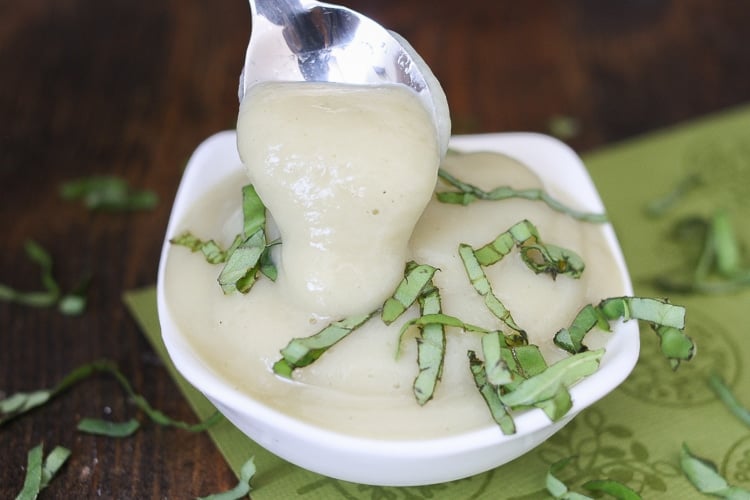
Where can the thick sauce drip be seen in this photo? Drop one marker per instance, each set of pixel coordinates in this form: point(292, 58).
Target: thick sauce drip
point(358, 387)
point(346, 172)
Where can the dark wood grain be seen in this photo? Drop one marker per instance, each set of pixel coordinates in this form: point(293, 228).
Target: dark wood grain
point(130, 88)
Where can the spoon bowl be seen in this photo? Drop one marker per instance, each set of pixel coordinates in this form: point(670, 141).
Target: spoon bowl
point(306, 40)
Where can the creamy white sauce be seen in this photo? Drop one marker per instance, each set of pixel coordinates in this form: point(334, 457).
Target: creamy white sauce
point(358, 387)
point(346, 172)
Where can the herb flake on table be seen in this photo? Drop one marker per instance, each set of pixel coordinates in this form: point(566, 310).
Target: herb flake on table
point(559, 490)
point(247, 472)
point(719, 267)
point(72, 303)
point(704, 475)
point(725, 394)
point(23, 402)
point(40, 470)
point(661, 205)
point(108, 193)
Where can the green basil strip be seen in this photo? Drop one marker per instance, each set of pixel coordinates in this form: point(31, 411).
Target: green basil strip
point(571, 338)
point(267, 266)
point(247, 254)
point(725, 394)
point(247, 472)
point(104, 192)
point(558, 405)
point(559, 490)
point(538, 256)
point(52, 464)
point(32, 483)
point(489, 393)
point(666, 319)
point(72, 305)
point(501, 246)
point(69, 304)
point(240, 270)
point(469, 193)
point(660, 206)
point(659, 312)
point(33, 299)
point(483, 287)
point(545, 386)
point(40, 471)
point(674, 345)
point(21, 403)
point(556, 487)
point(706, 478)
point(611, 487)
point(42, 258)
point(552, 260)
point(727, 248)
point(301, 352)
point(211, 250)
point(438, 319)
point(416, 278)
point(497, 370)
point(525, 361)
point(109, 429)
point(253, 211)
point(718, 268)
point(430, 350)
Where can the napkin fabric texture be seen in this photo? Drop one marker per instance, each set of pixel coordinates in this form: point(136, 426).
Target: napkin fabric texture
point(634, 435)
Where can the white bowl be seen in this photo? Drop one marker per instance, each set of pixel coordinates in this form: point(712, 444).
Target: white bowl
point(398, 462)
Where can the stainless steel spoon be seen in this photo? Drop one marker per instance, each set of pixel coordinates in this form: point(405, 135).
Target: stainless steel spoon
point(307, 40)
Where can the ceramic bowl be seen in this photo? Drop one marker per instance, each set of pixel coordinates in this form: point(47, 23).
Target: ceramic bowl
point(399, 462)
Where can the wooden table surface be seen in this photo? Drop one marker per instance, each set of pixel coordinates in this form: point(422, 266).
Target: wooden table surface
point(130, 88)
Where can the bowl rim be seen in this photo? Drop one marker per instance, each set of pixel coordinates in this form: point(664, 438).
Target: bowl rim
point(216, 157)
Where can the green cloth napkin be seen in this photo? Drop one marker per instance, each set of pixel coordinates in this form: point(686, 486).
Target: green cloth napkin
point(634, 434)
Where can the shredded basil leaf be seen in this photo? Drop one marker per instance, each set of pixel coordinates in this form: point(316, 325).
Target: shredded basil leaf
point(667, 320)
point(496, 368)
point(559, 490)
point(430, 349)
point(301, 352)
point(21, 403)
point(661, 205)
point(416, 278)
point(248, 254)
point(539, 257)
point(561, 375)
point(720, 267)
point(564, 127)
point(725, 394)
point(556, 487)
point(110, 193)
point(241, 267)
point(212, 251)
point(498, 410)
point(482, 285)
point(247, 472)
point(40, 471)
point(706, 478)
point(70, 304)
point(107, 428)
point(468, 193)
point(611, 487)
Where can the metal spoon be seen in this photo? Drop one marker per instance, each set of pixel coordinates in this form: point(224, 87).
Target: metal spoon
point(307, 40)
